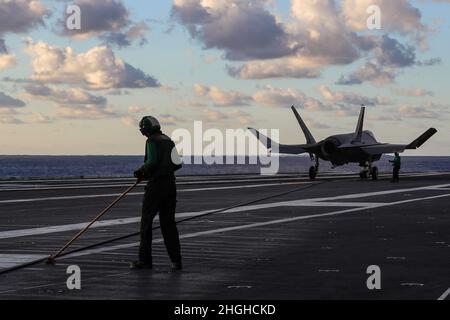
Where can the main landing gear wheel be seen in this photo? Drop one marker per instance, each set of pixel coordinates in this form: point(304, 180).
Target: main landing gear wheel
point(312, 173)
point(363, 174)
point(374, 173)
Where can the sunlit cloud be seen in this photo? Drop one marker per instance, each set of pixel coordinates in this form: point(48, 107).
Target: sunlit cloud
point(96, 69)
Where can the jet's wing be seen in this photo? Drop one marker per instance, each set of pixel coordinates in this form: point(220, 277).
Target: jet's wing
point(279, 148)
point(422, 139)
point(391, 148)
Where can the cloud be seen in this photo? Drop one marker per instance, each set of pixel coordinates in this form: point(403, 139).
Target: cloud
point(221, 97)
point(137, 32)
point(10, 102)
point(429, 63)
point(278, 97)
point(214, 115)
point(108, 20)
point(391, 52)
point(390, 56)
point(8, 111)
point(384, 117)
point(134, 109)
point(20, 16)
point(370, 71)
point(168, 119)
point(85, 112)
point(397, 16)
point(137, 109)
point(418, 112)
point(100, 16)
point(279, 68)
point(267, 96)
point(10, 120)
point(322, 33)
point(413, 92)
point(7, 61)
point(318, 34)
point(130, 121)
point(240, 116)
point(426, 109)
point(39, 118)
point(118, 92)
point(64, 96)
point(96, 69)
point(349, 98)
point(3, 49)
point(73, 103)
point(9, 115)
point(243, 29)
point(133, 121)
point(311, 123)
point(320, 39)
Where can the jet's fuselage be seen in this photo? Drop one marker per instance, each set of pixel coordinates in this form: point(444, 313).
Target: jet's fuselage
point(330, 149)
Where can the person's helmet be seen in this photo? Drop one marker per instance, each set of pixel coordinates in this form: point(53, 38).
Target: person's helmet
point(149, 125)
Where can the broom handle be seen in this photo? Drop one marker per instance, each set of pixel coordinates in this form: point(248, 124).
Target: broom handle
point(79, 234)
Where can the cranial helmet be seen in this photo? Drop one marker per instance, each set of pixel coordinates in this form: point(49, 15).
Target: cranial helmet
point(149, 125)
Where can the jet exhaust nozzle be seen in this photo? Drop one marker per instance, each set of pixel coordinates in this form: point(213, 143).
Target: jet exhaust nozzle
point(330, 147)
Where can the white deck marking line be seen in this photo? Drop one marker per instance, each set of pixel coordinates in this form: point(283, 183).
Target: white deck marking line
point(294, 203)
point(444, 295)
point(11, 260)
point(252, 225)
point(440, 188)
point(78, 226)
point(380, 193)
point(314, 202)
point(142, 193)
point(123, 221)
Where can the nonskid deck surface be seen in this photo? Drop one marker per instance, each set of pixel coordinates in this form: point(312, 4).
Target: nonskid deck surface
point(313, 243)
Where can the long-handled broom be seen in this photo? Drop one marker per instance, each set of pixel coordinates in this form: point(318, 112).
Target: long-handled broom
point(52, 259)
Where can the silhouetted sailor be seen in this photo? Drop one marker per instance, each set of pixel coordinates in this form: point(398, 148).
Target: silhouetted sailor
point(160, 193)
point(396, 164)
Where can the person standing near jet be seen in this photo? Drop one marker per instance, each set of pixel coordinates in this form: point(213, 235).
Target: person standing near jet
point(396, 164)
point(160, 194)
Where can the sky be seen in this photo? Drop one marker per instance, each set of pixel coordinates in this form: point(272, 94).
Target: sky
point(230, 64)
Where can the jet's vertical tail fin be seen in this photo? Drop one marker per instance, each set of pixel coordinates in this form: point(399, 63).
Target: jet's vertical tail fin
point(359, 126)
point(309, 137)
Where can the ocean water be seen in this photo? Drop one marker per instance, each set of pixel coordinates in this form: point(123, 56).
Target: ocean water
point(21, 167)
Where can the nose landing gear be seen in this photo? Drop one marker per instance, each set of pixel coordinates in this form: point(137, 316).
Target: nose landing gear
point(368, 171)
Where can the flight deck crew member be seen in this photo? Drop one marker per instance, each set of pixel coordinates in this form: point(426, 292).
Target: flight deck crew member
point(160, 194)
point(396, 164)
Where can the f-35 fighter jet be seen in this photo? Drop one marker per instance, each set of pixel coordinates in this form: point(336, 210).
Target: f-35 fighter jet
point(359, 147)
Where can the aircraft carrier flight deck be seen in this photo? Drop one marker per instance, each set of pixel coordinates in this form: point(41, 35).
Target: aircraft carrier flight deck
point(277, 237)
